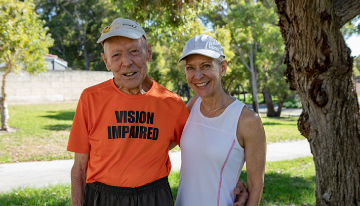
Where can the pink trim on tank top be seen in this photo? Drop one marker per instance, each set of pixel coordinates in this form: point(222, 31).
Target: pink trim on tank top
point(222, 168)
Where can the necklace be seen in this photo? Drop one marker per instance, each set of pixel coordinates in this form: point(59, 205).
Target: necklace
point(210, 112)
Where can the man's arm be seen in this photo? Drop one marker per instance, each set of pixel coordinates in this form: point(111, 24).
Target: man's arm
point(172, 145)
point(78, 178)
point(241, 193)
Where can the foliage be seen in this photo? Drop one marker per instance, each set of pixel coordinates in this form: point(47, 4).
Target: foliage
point(23, 38)
point(291, 103)
point(352, 27)
point(356, 67)
point(257, 43)
point(76, 26)
point(290, 182)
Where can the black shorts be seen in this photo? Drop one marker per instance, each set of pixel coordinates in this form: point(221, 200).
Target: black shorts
point(157, 193)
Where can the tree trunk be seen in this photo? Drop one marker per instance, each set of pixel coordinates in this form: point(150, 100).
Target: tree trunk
point(280, 105)
point(252, 70)
point(319, 68)
point(3, 106)
point(269, 104)
point(254, 92)
point(86, 59)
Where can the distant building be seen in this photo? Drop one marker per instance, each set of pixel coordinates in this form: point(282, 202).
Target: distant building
point(55, 63)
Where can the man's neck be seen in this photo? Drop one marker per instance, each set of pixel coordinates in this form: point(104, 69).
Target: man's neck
point(141, 89)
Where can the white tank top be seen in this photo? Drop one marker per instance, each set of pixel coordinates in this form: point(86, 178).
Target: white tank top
point(212, 158)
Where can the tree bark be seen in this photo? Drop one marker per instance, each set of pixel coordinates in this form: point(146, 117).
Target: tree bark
point(269, 104)
point(3, 106)
point(254, 92)
point(319, 68)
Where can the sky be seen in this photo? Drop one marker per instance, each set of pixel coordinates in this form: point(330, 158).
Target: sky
point(353, 43)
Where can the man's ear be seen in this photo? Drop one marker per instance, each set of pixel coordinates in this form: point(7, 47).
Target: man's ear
point(105, 61)
point(149, 51)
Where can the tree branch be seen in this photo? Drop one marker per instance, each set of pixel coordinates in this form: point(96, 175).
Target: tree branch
point(243, 58)
point(266, 4)
point(346, 10)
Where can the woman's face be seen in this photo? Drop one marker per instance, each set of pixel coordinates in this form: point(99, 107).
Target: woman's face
point(203, 74)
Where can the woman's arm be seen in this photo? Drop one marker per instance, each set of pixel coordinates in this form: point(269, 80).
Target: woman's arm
point(251, 136)
point(192, 101)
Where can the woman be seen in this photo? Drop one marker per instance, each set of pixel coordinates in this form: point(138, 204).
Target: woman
point(220, 134)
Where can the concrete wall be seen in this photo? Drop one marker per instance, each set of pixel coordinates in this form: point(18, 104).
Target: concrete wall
point(50, 86)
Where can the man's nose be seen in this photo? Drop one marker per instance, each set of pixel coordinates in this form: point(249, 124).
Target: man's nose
point(126, 59)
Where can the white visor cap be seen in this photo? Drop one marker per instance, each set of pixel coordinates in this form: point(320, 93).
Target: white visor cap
point(122, 27)
point(204, 45)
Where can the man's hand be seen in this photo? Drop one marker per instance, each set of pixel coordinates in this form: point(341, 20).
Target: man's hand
point(241, 193)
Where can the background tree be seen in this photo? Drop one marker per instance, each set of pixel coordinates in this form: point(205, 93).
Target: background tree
point(23, 43)
point(75, 27)
point(356, 66)
point(258, 44)
point(319, 68)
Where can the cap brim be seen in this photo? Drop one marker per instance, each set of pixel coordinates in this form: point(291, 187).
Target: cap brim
point(205, 52)
point(129, 33)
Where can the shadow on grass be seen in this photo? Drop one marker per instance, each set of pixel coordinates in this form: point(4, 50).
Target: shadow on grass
point(61, 115)
point(283, 189)
point(291, 118)
point(58, 127)
point(272, 123)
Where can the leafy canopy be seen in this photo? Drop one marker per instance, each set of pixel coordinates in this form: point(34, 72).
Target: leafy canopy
point(23, 39)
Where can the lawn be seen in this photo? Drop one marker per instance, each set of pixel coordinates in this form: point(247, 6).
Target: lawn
point(43, 132)
point(289, 182)
point(278, 129)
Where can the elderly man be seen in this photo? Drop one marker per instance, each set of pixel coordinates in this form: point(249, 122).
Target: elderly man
point(123, 127)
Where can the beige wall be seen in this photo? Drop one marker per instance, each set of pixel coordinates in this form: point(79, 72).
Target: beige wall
point(50, 86)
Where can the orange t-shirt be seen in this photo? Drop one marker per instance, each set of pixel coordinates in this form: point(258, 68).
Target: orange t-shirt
point(127, 136)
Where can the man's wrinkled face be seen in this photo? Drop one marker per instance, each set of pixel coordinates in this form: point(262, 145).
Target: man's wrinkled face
point(127, 58)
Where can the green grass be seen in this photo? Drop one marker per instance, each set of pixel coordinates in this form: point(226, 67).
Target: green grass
point(289, 182)
point(286, 183)
point(43, 132)
point(278, 129)
point(248, 98)
point(55, 195)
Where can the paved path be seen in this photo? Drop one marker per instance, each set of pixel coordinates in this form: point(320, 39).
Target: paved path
point(43, 173)
point(284, 111)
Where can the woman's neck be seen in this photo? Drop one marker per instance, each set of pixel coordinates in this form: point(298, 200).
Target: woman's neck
point(215, 103)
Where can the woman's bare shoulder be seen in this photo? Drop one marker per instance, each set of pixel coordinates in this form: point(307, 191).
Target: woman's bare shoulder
point(249, 116)
point(249, 123)
point(192, 101)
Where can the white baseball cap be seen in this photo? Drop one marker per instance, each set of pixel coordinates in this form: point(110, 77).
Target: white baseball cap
point(204, 45)
point(122, 27)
